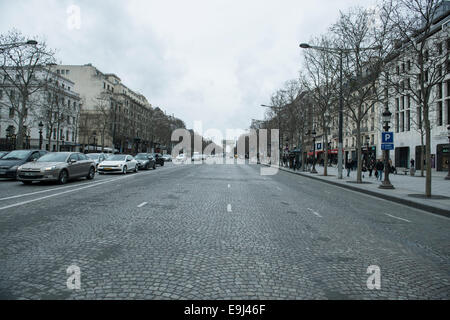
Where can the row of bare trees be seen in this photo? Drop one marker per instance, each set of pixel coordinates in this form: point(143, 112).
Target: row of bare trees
point(368, 58)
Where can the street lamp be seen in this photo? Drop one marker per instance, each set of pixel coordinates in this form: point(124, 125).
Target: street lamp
point(367, 156)
point(63, 140)
point(280, 146)
point(339, 51)
point(448, 157)
point(7, 46)
point(94, 135)
point(41, 126)
point(313, 169)
point(386, 184)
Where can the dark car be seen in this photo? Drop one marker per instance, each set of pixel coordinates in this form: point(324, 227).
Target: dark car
point(145, 161)
point(10, 162)
point(158, 159)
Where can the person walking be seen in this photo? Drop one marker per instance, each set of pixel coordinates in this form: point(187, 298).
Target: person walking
point(370, 167)
point(348, 167)
point(380, 167)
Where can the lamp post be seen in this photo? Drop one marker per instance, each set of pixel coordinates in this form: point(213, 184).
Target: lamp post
point(63, 140)
point(41, 126)
point(280, 146)
point(367, 152)
point(448, 157)
point(313, 169)
point(340, 52)
point(386, 184)
point(94, 135)
point(7, 46)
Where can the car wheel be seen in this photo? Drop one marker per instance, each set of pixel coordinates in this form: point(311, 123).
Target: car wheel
point(27, 182)
point(62, 179)
point(162, 164)
point(91, 174)
point(136, 169)
point(147, 166)
point(154, 166)
point(125, 170)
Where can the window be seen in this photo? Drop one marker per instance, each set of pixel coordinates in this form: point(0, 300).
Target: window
point(397, 70)
point(104, 85)
point(408, 120)
point(62, 71)
point(448, 88)
point(409, 65)
point(397, 104)
point(439, 47)
point(1, 94)
point(439, 89)
point(396, 122)
point(67, 72)
point(402, 121)
point(426, 55)
point(58, 71)
point(54, 133)
point(439, 114)
point(11, 113)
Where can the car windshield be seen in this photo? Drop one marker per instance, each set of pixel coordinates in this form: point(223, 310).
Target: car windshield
point(117, 157)
point(17, 155)
point(93, 156)
point(141, 157)
point(54, 157)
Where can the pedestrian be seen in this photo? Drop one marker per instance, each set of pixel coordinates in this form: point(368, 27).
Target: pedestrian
point(412, 169)
point(370, 167)
point(348, 167)
point(380, 168)
point(392, 169)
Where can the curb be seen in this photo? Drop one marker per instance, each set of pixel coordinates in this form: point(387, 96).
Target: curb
point(417, 205)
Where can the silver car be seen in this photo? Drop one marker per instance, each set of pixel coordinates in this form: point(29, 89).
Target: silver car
point(57, 166)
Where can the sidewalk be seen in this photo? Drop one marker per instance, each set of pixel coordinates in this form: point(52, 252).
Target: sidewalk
point(408, 190)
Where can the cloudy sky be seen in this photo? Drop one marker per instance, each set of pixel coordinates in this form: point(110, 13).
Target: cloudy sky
point(209, 60)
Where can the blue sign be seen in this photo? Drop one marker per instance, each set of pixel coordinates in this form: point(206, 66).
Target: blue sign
point(387, 146)
point(319, 146)
point(387, 137)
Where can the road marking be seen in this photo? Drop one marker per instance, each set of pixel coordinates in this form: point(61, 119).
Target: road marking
point(396, 217)
point(229, 208)
point(142, 204)
point(279, 189)
point(316, 213)
point(60, 193)
point(229, 186)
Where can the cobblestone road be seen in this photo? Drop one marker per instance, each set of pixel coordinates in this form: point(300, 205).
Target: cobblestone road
point(216, 232)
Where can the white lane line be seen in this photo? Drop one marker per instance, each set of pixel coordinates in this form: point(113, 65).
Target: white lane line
point(142, 204)
point(60, 193)
point(316, 213)
point(229, 186)
point(279, 189)
point(396, 217)
point(46, 190)
point(229, 208)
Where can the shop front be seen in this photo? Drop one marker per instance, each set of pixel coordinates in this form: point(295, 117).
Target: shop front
point(443, 157)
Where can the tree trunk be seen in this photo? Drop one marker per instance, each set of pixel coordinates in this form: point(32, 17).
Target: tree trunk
point(358, 152)
point(422, 154)
point(20, 114)
point(325, 148)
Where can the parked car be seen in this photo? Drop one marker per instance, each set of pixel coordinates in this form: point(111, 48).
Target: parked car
point(97, 157)
point(121, 163)
point(3, 153)
point(197, 157)
point(167, 157)
point(57, 166)
point(10, 162)
point(145, 161)
point(181, 158)
point(158, 159)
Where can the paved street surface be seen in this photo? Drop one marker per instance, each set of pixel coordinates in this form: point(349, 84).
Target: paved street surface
point(215, 232)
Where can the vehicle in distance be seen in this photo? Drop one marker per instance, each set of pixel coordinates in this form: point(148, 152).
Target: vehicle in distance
point(145, 161)
point(118, 163)
point(158, 158)
point(180, 158)
point(97, 157)
point(57, 166)
point(197, 156)
point(167, 157)
point(10, 162)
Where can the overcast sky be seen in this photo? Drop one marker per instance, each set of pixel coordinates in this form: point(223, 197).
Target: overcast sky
point(209, 60)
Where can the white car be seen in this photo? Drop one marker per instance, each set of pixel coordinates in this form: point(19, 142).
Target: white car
point(181, 158)
point(197, 156)
point(121, 163)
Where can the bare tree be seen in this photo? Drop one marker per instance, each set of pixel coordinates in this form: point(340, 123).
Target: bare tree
point(24, 69)
point(322, 84)
point(361, 67)
point(103, 115)
point(422, 62)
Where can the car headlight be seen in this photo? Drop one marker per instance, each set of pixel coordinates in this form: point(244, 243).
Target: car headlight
point(19, 168)
point(50, 168)
point(120, 164)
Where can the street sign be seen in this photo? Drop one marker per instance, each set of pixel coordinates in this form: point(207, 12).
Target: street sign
point(319, 146)
point(387, 137)
point(387, 146)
